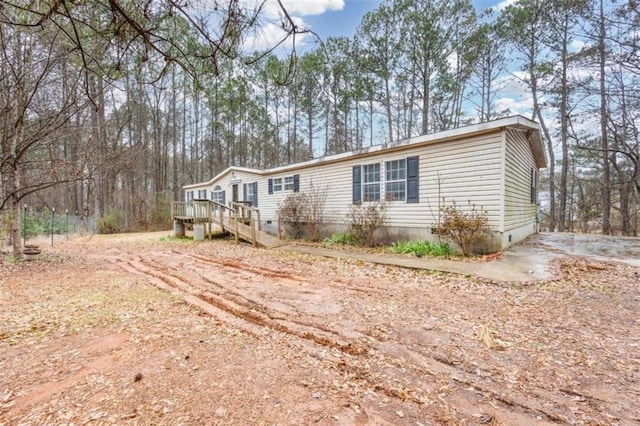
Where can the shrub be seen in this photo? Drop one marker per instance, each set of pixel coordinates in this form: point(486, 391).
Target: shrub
point(302, 213)
point(365, 220)
point(291, 214)
point(111, 222)
point(463, 228)
point(314, 221)
point(345, 238)
point(160, 215)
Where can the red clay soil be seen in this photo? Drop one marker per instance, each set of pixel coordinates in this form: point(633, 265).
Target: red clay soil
point(134, 330)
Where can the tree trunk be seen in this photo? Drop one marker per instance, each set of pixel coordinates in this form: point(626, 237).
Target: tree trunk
point(545, 131)
point(606, 181)
point(564, 100)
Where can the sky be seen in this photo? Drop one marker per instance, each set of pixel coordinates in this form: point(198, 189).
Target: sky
point(342, 17)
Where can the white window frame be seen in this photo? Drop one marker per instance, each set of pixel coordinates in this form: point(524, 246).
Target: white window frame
point(277, 184)
point(288, 183)
point(216, 194)
point(251, 195)
point(371, 174)
point(395, 184)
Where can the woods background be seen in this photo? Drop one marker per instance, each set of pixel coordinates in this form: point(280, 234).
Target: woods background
point(108, 107)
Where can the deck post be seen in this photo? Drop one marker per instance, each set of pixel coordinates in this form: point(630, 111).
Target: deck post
point(259, 223)
point(221, 218)
point(236, 222)
point(209, 220)
point(253, 231)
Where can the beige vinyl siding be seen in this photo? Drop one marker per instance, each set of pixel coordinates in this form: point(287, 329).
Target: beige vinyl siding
point(335, 178)
point(518, 209)
point(468, 169)
point(463, 171)
point(226, 182)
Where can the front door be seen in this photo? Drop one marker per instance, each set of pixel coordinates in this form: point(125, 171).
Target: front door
point(235, 193)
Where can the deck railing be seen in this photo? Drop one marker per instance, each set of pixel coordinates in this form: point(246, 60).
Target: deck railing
point(208, 211)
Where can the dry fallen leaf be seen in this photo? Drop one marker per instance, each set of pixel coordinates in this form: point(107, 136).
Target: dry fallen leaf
point(490, 339)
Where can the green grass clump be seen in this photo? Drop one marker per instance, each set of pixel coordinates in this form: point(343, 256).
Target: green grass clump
point(172, 239)
point(422, 248)
point(345, 238)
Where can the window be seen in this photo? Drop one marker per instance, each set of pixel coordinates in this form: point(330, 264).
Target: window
point(371, 182)
point(395, 180)
point(218, 195)
point(288, 183)
point(401, 181)
point(189, 196)
point(251, 193)
point(202, 194)
point(277, 185)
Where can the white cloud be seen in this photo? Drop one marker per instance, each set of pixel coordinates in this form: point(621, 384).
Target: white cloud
point(270, 34)
point(504, 3)
point(272, 9)
point(269, 31)
point(522, 105)
point(576, 45)
point(311, 7)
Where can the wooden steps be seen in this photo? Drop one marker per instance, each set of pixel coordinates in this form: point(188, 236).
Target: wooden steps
point(262, 239)
point(231, 219)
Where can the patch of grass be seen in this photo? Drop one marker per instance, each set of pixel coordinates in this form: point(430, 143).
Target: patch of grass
point(345, 238)
point(441, 249)
point(422, 248)
point(172, 239)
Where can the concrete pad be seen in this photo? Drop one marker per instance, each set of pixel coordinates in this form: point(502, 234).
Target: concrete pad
point(605, 248)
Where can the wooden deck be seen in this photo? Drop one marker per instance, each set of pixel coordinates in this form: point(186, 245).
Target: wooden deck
point(238, 219)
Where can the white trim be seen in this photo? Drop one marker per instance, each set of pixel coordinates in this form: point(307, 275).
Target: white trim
point(503, 173)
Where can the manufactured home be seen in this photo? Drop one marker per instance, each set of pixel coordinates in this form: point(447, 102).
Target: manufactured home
point(492, 165)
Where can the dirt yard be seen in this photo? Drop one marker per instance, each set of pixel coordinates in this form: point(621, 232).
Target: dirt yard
point(135, 330)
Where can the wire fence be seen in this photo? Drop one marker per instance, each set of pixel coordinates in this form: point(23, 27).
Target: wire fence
point(38, 224)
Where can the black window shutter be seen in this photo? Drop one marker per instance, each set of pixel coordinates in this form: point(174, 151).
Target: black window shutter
point(270, 186)
point(357, 187)
point(224, 196)
point(412, 180)
point(255, 194)
point(296, 183)
point(244, 192)
point(533, 186)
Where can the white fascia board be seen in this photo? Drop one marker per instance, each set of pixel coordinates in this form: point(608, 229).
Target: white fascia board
point(223, 173)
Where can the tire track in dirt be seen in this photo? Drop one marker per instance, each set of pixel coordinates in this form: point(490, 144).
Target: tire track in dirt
point(252, 314)
point(243, 319)
point(218, 298)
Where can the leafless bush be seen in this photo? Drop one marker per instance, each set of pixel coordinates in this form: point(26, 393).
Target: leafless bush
point(365, 219)
point(465, 228)
point(302, 213)
point(314, 219)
